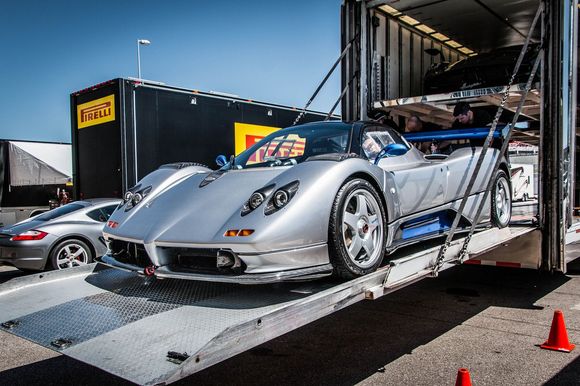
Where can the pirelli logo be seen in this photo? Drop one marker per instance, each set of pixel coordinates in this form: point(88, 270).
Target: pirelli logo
point(96, 112)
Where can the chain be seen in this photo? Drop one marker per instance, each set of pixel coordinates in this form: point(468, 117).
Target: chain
point(441, 255)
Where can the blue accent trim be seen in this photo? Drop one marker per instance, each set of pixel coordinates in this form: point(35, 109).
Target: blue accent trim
point(431, 223)
point(450, 135)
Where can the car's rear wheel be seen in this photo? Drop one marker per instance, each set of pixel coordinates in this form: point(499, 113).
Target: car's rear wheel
point(70, 253)
point(356, 235)
point(501, 200)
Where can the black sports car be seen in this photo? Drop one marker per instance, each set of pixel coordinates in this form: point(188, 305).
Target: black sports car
point(484, 70)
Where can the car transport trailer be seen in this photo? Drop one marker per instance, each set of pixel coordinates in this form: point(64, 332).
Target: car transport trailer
point(158, 331)
point(32, 174)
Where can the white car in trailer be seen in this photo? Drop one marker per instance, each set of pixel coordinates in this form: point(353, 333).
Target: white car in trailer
point(522, 177)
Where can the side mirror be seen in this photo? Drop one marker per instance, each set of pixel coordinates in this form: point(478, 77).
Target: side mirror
point(221, 160)
point(391, 150)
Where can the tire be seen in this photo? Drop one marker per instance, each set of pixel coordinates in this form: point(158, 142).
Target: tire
point(501, 200)
point(63, 254)
point(356, 235)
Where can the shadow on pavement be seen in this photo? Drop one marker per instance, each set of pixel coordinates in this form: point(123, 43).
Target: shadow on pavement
point(9, 273)
point(59, 371)
point(569, 375)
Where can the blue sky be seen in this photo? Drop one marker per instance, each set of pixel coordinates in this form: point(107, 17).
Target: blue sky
point(270, 51)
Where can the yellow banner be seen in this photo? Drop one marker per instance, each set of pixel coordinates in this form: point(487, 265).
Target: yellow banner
point(96, 112)
point(246, 135)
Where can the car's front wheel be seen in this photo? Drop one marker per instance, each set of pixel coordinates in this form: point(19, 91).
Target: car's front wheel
point(357, 230)
point(70, 253)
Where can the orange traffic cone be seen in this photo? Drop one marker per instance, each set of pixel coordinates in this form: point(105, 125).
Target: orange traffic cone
point(558, 339)
point(463, 378)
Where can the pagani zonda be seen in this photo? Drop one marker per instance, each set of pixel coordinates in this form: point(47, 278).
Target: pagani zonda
point(304, 202)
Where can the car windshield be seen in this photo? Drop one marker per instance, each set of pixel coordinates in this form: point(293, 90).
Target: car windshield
point(294, 145)
point(57, 212)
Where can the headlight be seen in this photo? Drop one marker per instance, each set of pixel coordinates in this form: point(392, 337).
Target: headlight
point(281, 197)
point(256, 199)
point(137, 197)
point(134, 196)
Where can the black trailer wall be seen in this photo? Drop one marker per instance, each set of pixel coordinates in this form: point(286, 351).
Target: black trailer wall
point(154, 125)
point(96, 148)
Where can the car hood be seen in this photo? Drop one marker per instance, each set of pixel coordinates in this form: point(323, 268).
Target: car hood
point(187, 212)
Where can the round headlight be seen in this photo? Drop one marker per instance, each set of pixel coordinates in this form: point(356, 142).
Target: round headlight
point(128, 196)
point(256, 200)
point(137, 197)
point(280, 198)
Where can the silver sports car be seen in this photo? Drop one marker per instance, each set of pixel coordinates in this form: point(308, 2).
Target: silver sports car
point(304, 202)
point(64, 237)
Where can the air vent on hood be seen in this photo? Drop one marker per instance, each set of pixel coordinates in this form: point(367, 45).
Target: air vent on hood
point(212, 177)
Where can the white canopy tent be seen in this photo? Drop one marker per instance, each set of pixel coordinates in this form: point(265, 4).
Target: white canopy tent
point(37, 163)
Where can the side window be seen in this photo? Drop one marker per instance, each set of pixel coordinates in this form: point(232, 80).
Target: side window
point(102, 214)
point(108, 210)
point(375, 138)
point(96, 215)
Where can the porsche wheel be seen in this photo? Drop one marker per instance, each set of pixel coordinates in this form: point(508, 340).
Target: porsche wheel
point(501, 200)
point(70, 253)
point(356, 230)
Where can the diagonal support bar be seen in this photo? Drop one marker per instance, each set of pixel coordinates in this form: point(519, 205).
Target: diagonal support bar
point(342, 54)
point(340, 97)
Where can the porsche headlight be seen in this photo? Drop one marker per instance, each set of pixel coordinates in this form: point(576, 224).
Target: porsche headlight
point(281, 197)
point(256, 199)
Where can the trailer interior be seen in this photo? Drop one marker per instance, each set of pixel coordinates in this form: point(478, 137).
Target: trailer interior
point(181, 327)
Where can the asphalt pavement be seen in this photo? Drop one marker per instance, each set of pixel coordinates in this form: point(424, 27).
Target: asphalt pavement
point(487, 319)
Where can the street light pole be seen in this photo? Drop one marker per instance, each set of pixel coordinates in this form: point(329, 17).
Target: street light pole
point(140, 42)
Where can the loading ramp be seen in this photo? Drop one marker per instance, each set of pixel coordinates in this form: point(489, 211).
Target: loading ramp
point(158, 331)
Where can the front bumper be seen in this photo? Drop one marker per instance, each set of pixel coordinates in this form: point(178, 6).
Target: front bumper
point(174, 272)
point(302, 263)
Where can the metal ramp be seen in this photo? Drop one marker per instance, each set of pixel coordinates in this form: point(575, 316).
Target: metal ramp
point(127, 324)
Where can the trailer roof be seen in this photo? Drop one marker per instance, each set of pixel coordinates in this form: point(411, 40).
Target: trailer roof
point(211, 94)
point(38, 163)
point(477, 24)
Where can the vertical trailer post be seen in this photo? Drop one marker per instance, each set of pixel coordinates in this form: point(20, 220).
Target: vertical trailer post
point(558, 129)
point(350, 65)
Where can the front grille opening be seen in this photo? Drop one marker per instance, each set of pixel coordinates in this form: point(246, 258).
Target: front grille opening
point(200, 260)
point(129, 253)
